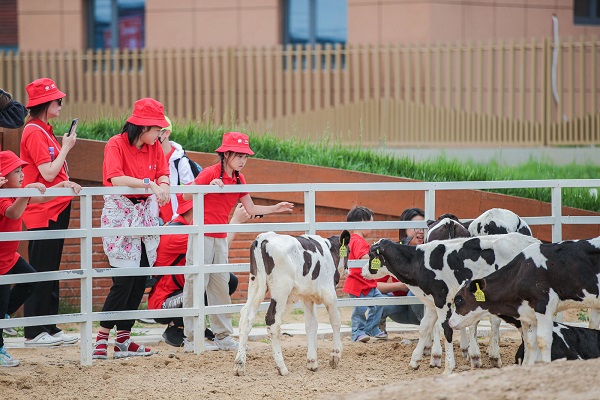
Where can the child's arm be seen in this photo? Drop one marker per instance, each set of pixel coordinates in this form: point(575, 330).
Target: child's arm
point(15, 211)
point(253, 209)
point(64, 184)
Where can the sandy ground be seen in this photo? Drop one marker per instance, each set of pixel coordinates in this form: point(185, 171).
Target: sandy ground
point(374, 370)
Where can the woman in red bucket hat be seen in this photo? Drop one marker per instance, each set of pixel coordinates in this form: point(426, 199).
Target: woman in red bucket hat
point(233, 154)
point(47, 165)
point(133, 158)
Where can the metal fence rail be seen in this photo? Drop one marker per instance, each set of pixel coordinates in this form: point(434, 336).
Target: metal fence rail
point(87, 232)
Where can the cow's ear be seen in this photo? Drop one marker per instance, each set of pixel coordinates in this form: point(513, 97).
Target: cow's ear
point(406, 240)
point(345, 237)
point(477, 284)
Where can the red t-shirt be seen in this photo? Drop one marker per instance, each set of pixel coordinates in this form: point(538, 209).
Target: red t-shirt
point(217, 206)
point(355, 283)
point(124, 159)
point(8, 250)
point(170, 247)
point(39, 147)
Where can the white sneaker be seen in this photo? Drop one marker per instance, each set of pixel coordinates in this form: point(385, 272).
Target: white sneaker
point(67, 339)
point(44, 339)
point(9, 331)
point(188, 347)
point(227, 343)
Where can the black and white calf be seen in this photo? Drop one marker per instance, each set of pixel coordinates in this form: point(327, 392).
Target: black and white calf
point(293, 268)
point(434, 272)
point(541, 280)
point(497, 221)
point(569, 342)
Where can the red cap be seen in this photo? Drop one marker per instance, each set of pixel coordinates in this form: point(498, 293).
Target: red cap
point(148, 112)
point(9, 162)
point(236, 142)
point(183, 206)
point(42, 91)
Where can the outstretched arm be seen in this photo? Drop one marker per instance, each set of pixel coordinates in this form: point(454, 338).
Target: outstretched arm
point(254, 209)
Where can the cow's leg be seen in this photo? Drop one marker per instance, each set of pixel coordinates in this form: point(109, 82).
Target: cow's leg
point(311, 324)
point(494, 345)
point(425, 332)
point(443, 316)
point(594, 319)
point(256, 292)
point(474, 352)
point(436, 348)
point(274, 319)
point(464, 342)
point(531, 346)
point(544, 336)
point(336, 324)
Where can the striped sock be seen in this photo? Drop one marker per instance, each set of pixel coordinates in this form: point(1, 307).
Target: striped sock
point(123, 336)
point(100, 349)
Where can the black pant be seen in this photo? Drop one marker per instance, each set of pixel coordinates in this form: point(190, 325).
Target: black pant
point(178, 321)
point(125, 293)
point(44, 256)
point(12, 299)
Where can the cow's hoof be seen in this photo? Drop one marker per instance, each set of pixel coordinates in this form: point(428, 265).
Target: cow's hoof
point(436, 361)
point(239, 369)
point(475, 361)
point(334, 361)
point(496, 362)
point(465, 353)
point(312, 365)
point(283, 371)
point(414, 364)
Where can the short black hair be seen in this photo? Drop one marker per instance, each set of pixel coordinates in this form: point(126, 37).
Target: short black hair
point(408, 215)
point(358, 214)
point(133, 132)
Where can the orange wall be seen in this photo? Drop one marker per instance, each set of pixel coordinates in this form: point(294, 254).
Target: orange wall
point(61, 24)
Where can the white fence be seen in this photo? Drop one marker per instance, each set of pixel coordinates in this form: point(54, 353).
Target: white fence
point(87, 232)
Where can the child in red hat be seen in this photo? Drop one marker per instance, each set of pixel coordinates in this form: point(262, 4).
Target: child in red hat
point(47, 165)
point(133, 158)
point(11, 215)
point(233, 154)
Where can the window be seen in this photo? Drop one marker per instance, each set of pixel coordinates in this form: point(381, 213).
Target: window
point(9, 28)
point(586, 12)
point(311, 22)
point(117, 24)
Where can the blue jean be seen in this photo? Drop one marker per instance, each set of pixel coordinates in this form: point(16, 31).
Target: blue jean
point(404, 314)
point(369, 324)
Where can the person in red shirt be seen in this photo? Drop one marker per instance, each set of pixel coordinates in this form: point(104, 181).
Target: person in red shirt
point(47, 165)
point(11, 217)
point(233, 154)
point(168, 291)
point(134, 159)
point(363, 326)
point(390, 286)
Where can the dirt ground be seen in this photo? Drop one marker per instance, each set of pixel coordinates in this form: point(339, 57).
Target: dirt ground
point(373, 370)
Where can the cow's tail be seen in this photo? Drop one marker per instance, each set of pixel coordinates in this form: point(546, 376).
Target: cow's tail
point(257, 280)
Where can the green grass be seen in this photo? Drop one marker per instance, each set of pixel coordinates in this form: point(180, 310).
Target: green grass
point(327, 152)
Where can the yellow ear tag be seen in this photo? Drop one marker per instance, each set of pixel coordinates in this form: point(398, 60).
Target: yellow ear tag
point(479, 295)
point(376, 264)
point(343, 250)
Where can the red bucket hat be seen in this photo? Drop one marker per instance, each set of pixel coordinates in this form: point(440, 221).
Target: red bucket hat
point(42, 91)
point(148, 112)
point(237, 142)
point(183, 206)
point(9, 162)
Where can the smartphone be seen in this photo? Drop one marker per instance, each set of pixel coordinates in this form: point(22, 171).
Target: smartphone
point(73, 126)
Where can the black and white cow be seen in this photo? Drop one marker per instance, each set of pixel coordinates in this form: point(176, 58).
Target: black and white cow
point(569, 342)
point(497, 221)
point(434, 272)
point(293, 268)
point(541, 280)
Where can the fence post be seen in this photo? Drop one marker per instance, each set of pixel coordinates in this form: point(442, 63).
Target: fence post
point(85, 222)
point(557, 213)
point(310, 204)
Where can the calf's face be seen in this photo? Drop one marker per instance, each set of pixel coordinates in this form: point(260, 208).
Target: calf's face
point(469, 305)
point(376, 268)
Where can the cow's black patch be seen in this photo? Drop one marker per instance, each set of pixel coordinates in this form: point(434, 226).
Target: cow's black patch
point(436, 260)
point(270, 317)
point(253, 247)
point(267, 259)
point(316, 270)
point(309, 244)
point(307, 263)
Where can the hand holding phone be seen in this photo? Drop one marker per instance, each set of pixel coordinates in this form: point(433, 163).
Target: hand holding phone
point(73, 127)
